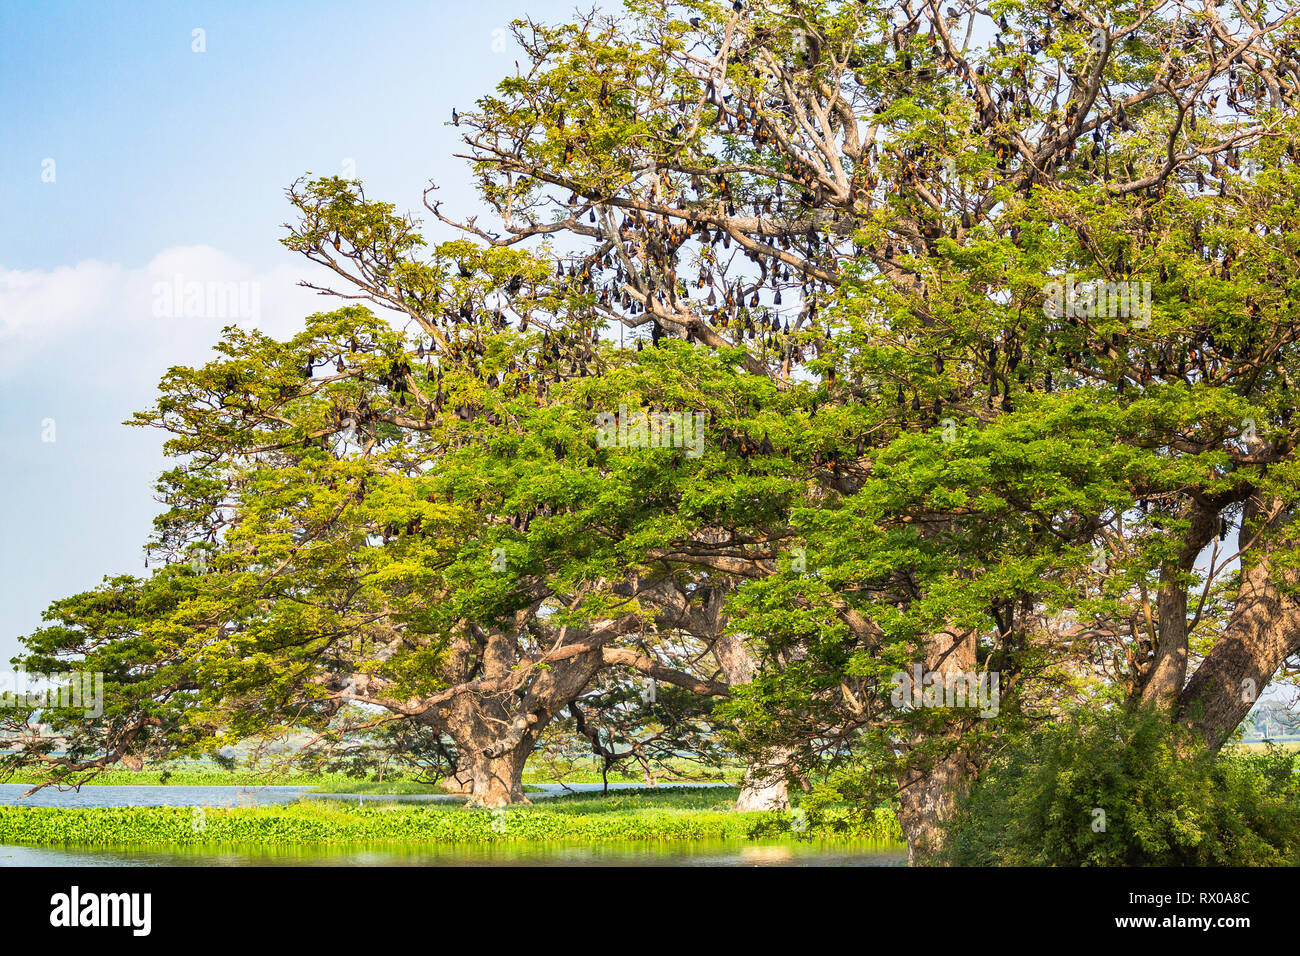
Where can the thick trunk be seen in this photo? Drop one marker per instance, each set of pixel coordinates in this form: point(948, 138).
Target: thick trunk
point(765, 785)
point(927, 795)
point(491, 781)
point(1166, 671)
point(937, 770)
point(1262, 632)
point(495, 732)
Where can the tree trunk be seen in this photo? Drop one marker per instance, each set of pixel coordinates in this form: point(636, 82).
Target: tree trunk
point(937, 770)
point(492, 746)
point(764, 786)
point(492, 781)
point(927, 795)
point(1262, 632)
point(1166, 671)
point(496, 731)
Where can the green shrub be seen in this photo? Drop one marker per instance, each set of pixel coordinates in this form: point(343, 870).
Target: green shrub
point(827, 811)
point(1121, 787)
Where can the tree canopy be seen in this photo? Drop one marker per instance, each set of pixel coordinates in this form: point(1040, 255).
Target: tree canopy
point(988, 314)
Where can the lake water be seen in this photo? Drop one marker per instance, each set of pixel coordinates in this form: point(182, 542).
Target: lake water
point(629, 853)
point(11, 794)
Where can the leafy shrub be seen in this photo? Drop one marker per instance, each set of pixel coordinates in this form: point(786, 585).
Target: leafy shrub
point(1122, 787)
point(828, 812)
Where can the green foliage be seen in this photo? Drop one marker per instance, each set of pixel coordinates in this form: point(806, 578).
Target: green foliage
point(548, 764)
point(363, 747)
point(838, 228)
point(824, 812)
point(667, 814)
point(1166, 801)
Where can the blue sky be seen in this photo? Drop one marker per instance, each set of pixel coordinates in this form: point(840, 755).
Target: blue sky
point(167, 161)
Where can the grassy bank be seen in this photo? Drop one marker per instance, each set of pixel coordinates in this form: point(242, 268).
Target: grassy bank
point(202, 775)
point(543, 770)
point(672, 814)
point(211, 775)
point(1259, 746)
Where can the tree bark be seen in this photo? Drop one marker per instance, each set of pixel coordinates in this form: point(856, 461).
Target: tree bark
point(492, 781)
point(765, 785)
point(496, 731)
point(1262, 632)
point(1166, 672)
point(936, 772)
point(927, 796)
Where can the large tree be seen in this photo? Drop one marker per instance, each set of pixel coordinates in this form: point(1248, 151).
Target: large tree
point(872, 199)
point(348, 538)
point(832, 229)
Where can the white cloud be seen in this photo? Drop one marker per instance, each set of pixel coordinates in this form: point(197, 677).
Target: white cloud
point(143, 320)
point(83, 347)
point(33, 304)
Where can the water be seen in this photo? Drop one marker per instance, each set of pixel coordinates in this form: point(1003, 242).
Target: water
point(629, 853)
point(11, 794)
